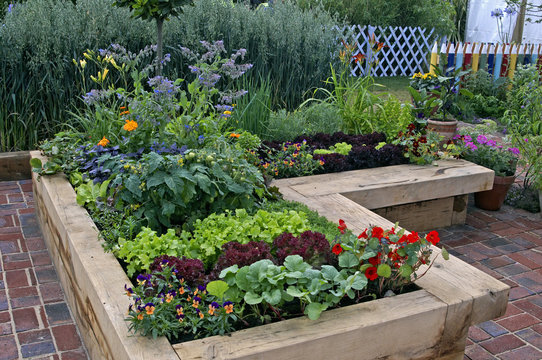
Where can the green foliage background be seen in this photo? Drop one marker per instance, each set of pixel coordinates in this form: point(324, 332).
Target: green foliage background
point(39, 83)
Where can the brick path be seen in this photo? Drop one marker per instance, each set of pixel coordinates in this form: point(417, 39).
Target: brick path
point(506, 244)
point(35, 322)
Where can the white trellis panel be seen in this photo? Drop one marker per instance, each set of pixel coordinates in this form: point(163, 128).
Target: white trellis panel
point(407, 49)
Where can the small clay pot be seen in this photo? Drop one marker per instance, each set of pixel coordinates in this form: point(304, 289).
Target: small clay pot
point(446, 128)
point(494, 198)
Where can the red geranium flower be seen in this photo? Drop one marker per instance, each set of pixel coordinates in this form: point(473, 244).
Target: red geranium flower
point(337, 249)
point(371, 273)
point(375, 260)
point(377, 232)
point(342, 226)
point(413, 237)
point(433, 237)
point(403, 239)
point(363, 235)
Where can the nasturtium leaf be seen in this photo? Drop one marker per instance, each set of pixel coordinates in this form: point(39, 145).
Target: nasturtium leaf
point(313, 310)
point(241, 279)
point(36, 163)
point(252, 298)
point(329, 272)
point(445, 254)
point(384, 270)
point(217, 288)
point(272, 297)
point(373, 243)
point(358, 281)
point(405, 270)
point(348, 260)
point(294, 291)
point(368, 253)
point(295, 263)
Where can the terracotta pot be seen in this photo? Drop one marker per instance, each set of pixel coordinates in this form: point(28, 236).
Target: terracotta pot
point(446, 128)
point(494, 198)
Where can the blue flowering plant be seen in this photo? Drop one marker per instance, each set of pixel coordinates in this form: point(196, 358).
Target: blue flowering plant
point(499, 15)
point(486, 152)
point(164, 304)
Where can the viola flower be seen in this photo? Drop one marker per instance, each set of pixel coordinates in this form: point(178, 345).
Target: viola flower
point(228, 306)
point(234, 135)
point(103, 142)
point(179, 309)
point(130, 125)
point(433, 237)
point(129, 291)
point(142, 279)
point(140, 316)
point(371, 273)
point(149, 308)
point(337, 249)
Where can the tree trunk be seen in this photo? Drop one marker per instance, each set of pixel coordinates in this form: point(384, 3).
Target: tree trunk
point(159, 24)
point(517, 35)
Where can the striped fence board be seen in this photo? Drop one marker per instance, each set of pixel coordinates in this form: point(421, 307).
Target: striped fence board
point(500, 60)
point(410, 50)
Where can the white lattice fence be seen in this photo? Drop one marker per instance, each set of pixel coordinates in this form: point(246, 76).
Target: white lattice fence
point(407, 48)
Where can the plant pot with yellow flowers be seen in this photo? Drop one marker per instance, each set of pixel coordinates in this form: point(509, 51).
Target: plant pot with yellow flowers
point(435, 97)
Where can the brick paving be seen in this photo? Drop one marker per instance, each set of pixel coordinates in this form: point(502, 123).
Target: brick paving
point(35, 321)
point(507, 244)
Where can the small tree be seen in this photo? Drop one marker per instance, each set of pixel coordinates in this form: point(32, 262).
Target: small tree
point(158, 10)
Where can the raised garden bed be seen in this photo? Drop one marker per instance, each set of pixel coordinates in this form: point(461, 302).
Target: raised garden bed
point(453, 296)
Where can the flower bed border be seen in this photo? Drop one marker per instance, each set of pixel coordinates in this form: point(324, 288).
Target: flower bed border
point(93, 281)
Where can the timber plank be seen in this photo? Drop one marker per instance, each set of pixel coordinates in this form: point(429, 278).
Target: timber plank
point(15, 165)
point(421, 216)
point(395, 185)
point(302, 338)
point(92, 279)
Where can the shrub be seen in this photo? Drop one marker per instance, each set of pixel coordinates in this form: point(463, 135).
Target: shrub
point(423, 13)
point(173, 189)
point(38, 82)
point(290, 46)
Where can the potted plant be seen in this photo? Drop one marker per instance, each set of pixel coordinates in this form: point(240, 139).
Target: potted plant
point(435, 96)
point(503, 160)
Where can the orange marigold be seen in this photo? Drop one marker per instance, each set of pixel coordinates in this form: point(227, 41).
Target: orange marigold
point(130, 125)
point(103, 142)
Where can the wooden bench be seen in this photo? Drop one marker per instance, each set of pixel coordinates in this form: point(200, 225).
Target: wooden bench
point(419, 197)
